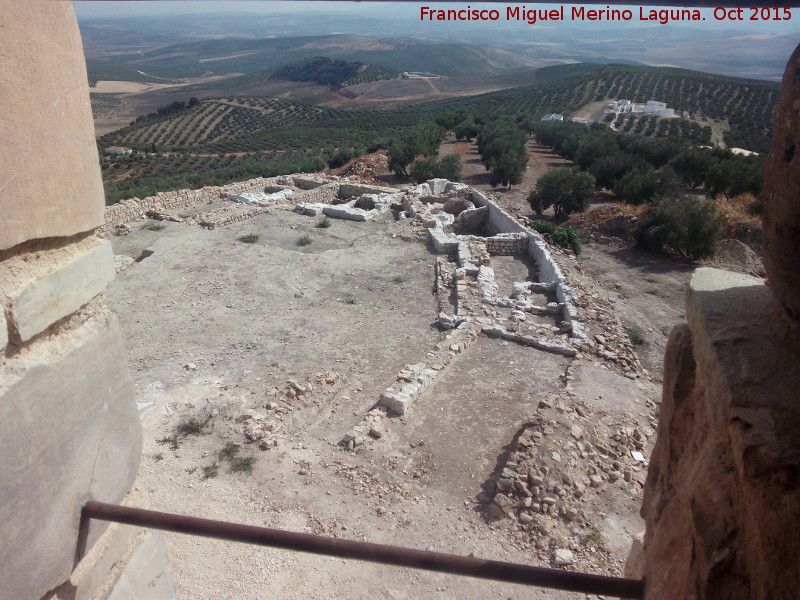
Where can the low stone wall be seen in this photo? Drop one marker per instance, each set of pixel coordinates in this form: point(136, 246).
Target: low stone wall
point(134, 209)
point(507, 244)
point(317, 188)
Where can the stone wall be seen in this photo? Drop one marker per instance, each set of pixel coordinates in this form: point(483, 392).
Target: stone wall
point(69, 430)
point(507, 244)
point(722, 498)
point(134, 209)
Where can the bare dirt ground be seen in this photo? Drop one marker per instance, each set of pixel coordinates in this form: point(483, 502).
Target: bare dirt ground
point(216, 329)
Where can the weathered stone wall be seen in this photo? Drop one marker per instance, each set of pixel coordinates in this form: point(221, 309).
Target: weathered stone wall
point(509, 244)
point(134, 209)
point(50, 179)
point(722, 498)
point(69, 430)
point(782, 195)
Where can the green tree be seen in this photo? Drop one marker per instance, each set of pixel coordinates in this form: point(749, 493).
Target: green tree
point(566, 190)
point(422, 140)
point(448, 167)
point(687, 225)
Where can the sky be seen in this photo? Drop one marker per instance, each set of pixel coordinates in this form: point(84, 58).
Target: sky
point(408, 12)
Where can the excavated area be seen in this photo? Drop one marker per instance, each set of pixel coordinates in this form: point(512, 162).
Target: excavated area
point(286, 348)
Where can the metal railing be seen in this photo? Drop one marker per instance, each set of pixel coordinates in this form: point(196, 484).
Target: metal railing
point(378, 553)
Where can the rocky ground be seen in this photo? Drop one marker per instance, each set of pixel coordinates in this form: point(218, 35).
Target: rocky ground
point(252, 361)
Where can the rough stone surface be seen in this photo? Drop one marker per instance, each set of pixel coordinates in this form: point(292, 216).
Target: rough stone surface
point(722, 497)
point(75, 437)
point(61, 292)
point(3, 330)
point(49, 173)
point(147, 573)
point(782, 195)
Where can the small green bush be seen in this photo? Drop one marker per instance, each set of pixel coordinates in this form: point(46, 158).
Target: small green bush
point(242, 464)
point(636, 337)
point(192, 426)
point(324, 223)
point(153, 226)
point(566, 237)
point(229, 451)
point(210, 471)
point(304, 241)
point(250, 238)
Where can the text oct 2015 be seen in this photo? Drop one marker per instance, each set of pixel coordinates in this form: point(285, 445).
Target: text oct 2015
point(521, 13)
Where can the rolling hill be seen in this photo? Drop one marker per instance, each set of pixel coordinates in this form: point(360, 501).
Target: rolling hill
point(281, 127)
point(333, 73)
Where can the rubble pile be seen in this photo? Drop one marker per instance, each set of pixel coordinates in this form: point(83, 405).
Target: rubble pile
point(562, 459)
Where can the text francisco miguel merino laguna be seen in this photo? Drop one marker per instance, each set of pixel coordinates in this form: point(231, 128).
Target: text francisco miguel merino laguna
point(576, 13)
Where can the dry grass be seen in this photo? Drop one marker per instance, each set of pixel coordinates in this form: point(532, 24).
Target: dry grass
point(736, 210)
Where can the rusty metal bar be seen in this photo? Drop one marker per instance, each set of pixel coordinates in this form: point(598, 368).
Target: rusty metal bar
point(379, 553)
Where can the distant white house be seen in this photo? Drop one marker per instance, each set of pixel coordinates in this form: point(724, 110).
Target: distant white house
point(118, 150)
point(553, 117)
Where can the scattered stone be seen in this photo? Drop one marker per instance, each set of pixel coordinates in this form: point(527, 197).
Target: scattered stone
point(563, 557)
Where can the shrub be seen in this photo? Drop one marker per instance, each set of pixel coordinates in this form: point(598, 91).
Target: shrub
point(193, 426)
point(566, 237)
point(210, 471)
point(687, 225)
point(323, 224)
point(242, 464)
point(229, 451)
point(250, 238)
point(153, 226)
point(636, 337)
point(304, 241)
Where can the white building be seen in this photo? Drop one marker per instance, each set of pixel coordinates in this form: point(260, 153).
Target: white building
point(553, 117)
point(653, 106)
point(118, 151)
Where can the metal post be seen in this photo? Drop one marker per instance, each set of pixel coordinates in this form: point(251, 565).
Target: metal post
point(379, 553)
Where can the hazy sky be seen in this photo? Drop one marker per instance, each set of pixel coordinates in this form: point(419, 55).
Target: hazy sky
point(406, 12)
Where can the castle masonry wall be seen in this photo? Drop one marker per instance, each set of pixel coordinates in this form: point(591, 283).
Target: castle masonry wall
point(69, 428)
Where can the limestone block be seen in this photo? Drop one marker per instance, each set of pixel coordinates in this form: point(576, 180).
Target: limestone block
point(396, 402)
point(75, 436)
point(3, 330)
point(147, 573)
point(49, 172)
point(61, 292)
point(722, 497)
point(782, 194)
point(345, 212)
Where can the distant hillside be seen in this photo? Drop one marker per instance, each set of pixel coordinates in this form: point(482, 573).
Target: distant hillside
point(247, 55)
point(334, 73)
point(747, 106)
point(278, 127)
point(112, 71)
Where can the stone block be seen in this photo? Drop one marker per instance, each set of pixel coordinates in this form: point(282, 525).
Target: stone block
point(3, 330)
point(49, 172)
point(62, 291)
point(722, 498)
point(75, 437)
point(147, 573)
point(346, 212)
point(396, 402)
